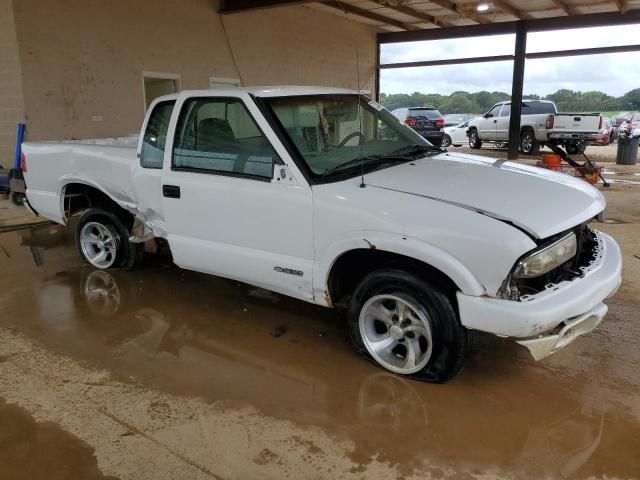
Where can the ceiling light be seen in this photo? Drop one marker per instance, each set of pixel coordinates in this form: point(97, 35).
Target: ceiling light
point(483, 7)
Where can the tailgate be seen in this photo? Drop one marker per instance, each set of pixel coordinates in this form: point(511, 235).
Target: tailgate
point(577, 122)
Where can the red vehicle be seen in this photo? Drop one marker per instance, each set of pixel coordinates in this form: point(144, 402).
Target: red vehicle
point(607, 133)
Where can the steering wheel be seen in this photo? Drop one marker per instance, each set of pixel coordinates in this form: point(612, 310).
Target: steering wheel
point(350, 136)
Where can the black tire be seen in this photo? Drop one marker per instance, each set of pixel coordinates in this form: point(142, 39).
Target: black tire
point(446, 141)
point(450, 340)
point(128, 255)
point(474, 139)
point(575, 147)
point(528, 143)
point(17, 198)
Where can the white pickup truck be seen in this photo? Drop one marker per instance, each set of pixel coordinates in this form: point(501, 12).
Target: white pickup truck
point(540, 124)
point(323, 195)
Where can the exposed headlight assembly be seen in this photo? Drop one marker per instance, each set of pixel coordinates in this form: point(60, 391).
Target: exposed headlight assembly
point(547, 258)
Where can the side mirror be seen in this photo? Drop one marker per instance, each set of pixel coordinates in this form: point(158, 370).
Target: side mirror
point(488, 115)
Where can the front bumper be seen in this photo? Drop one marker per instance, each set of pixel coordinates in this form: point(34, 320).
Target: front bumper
point(555, 316)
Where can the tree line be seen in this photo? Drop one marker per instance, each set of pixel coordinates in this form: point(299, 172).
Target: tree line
point(480, 102)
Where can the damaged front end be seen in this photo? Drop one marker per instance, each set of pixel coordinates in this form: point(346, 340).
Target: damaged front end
point(521, 287)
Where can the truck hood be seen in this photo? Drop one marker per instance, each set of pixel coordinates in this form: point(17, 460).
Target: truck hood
point(538, 201)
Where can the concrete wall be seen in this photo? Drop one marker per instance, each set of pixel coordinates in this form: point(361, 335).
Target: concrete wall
point(82, 60)
point(11, 102)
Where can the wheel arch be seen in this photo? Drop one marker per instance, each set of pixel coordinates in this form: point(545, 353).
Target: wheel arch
point(349, 264)
point(77, 195)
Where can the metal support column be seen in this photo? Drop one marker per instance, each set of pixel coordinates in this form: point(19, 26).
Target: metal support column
point(377, 79)
point(516, 89)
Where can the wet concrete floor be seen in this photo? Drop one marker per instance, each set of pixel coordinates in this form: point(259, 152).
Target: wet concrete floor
point(173, 374)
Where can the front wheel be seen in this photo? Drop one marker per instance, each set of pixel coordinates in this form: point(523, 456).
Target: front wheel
point(474, 139)
point(103, 241)
point(407, 326)
point(446, 141)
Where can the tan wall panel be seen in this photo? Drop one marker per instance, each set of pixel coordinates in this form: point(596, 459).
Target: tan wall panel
point(11, 102)
point(82, 60)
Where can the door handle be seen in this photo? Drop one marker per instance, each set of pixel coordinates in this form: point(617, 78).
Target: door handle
point(171, 191)
point(495, 121)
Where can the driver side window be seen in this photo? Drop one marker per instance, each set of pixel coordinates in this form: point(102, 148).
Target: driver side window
point(494, 111)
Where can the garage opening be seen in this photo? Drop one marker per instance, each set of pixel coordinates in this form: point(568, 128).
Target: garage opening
point(157, 84)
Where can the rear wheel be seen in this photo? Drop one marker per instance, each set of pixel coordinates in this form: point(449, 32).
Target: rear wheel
point(474, 139)
point(446, 141)
point(103, 241)
point(405, 325)
point(17, 198)
point(528, 143)
point(575, 147)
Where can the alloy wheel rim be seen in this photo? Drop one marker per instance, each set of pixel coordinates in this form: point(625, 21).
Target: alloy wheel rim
point(472, 138)
point(526, 143)
point(396, 333)
point(99, 245)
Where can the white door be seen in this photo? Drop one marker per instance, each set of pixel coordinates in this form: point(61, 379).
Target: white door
point(502, 123)
point(227, 213)
point(487, 125)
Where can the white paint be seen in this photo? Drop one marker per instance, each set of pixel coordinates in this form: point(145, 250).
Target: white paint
point(455, 212)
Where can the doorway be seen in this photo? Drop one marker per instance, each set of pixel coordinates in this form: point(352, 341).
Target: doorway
point(157, 84)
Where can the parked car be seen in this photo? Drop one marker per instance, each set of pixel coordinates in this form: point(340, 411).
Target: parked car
point(634, 122)
point(607, 135)
point(427, 121)
point(294, 190)
point(540, 124)
point(456, 136)
point(453, 119)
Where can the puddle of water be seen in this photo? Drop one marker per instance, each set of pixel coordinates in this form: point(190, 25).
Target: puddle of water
point(42, 451)
point(196, 335)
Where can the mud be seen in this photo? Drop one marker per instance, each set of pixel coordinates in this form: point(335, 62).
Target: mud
point(41, 451)
point(173, 374)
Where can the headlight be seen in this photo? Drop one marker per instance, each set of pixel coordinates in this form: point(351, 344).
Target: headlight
point(550, 257)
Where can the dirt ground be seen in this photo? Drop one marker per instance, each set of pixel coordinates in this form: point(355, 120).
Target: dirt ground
point(167, 374)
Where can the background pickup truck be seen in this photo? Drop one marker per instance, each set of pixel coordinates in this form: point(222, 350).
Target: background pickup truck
point(325, 196)
point(540, 124)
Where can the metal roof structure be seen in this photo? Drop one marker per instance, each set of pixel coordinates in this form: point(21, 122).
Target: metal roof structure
point(400, 21)
point(407, 15)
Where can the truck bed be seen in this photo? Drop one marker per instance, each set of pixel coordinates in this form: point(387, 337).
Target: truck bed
point(102, 163)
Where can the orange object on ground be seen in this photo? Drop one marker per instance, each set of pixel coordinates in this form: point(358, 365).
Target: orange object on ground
point(586, 173)
point(551, 159)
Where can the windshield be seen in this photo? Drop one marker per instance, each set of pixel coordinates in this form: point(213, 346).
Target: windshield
point(334, 131)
